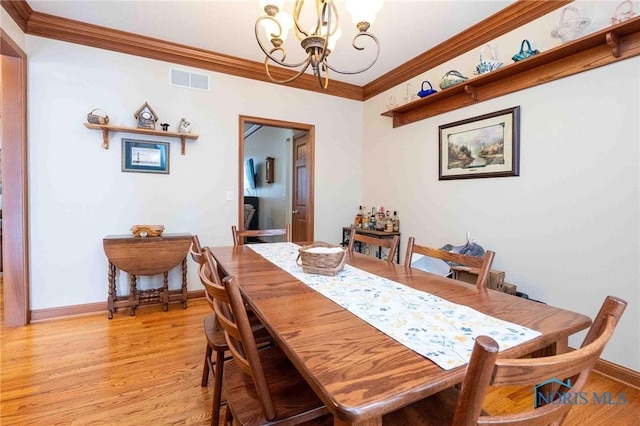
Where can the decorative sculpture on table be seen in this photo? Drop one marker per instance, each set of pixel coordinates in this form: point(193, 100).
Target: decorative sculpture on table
point(147, 230)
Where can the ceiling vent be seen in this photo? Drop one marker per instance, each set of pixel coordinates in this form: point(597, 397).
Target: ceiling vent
point(189, 80)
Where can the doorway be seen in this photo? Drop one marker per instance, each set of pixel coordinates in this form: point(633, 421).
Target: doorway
point(276, 176)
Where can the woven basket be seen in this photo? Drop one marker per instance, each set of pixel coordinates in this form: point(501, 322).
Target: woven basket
point(314, 261)
point(98, 119)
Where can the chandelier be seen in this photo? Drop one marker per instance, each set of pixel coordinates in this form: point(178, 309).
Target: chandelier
point(318, 41)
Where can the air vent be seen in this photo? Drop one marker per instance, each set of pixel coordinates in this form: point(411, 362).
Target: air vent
point(189, 80)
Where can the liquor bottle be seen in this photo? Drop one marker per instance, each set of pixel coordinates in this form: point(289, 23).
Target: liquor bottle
point(388, 223)
point(358, 220)
point(372, 219)
point(380, 219)
point(365, 221)
point(396, 222)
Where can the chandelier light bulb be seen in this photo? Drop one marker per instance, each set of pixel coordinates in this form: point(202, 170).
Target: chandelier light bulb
point(363, 11)
point(271, 28)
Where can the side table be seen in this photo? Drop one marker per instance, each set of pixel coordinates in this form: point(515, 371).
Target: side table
point(146, 256)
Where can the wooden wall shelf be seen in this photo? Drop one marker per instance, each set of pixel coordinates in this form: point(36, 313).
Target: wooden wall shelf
point(106, 128)
point(610, 45)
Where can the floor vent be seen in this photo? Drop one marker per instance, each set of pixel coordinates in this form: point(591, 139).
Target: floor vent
point(189, 80)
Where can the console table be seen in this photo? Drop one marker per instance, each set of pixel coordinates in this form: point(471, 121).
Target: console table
point(346, 232)
point(146, 256)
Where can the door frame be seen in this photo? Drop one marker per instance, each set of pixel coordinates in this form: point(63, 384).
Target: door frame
point(310, 130)
point(15, 235)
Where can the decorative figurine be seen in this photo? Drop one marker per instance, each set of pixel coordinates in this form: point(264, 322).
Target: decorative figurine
point(185, 126)
point(165, 126)
point(146, 117)
point(624, 12)
point(571, 25)
point(426, 92)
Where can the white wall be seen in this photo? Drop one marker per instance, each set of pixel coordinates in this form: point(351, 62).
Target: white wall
point(567, 230)
point(78, 194)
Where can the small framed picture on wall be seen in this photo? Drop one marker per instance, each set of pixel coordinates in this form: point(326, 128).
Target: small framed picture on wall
point(145, 156)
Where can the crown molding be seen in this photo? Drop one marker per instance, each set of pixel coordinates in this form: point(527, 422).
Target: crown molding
point(20, 11)
point(54, 27)
point(49, 26)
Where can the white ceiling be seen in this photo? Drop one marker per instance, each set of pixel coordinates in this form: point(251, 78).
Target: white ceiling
point(405, 28)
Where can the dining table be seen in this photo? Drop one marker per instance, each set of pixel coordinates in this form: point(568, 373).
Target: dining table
point(359, 372)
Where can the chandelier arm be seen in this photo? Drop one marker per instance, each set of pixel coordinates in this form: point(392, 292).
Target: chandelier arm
point(353, 43)
point(288, 80)
point(269, 53)
point(268, 18)
point(324, 84)
point(301, 33)
point(333, 8)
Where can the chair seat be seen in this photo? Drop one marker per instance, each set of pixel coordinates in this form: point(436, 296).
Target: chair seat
point(214, 333)
point(243, 397)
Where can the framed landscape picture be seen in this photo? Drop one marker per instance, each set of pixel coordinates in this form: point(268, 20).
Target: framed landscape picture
point(481, 147)
point(145, 156)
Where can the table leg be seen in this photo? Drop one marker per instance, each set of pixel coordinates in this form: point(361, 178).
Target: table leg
point(133, 294)
point(184, 283)
point(165, 292)
point(111, 290)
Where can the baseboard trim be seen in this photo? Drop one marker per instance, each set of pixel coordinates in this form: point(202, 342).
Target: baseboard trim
point(86, 309)
point(618, 373)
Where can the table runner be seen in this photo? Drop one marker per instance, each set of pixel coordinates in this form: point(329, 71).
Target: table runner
point(435, 328)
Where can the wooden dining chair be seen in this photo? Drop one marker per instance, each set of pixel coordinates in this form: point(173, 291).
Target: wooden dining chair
point(217, 350)
point(389, 243)
point(551, 380)
point(239, 236)
point(262, 387)
point(477, 265)
point(214, 336)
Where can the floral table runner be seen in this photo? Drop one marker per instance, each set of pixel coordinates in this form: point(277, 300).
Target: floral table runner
point(435, 328)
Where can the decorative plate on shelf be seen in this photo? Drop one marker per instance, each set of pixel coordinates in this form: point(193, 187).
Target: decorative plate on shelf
point(147, 230)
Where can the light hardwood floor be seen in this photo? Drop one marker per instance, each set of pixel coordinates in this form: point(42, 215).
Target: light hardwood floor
point(146, 369)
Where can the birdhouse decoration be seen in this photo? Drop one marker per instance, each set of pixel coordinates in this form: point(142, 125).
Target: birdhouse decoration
point(146, 117)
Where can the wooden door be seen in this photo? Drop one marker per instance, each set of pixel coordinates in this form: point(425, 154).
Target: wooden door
point(300, 188)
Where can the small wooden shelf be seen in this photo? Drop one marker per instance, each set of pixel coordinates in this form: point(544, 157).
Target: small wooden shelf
point(106, 128)
point(610, 45)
